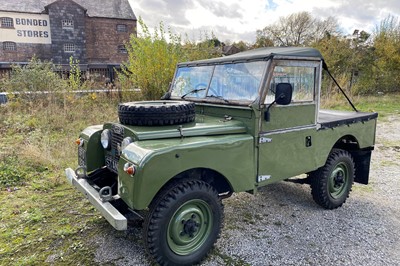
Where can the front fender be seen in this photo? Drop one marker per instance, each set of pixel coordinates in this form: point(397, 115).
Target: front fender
point(158, 161)
point(91, 153)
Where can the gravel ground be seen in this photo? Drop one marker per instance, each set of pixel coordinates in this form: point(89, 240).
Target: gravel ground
point(282, 225)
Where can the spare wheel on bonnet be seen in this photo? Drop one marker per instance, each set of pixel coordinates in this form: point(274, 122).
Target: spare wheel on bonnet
point(156, 113)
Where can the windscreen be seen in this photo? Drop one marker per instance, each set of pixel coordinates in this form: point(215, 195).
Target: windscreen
point(227, 82)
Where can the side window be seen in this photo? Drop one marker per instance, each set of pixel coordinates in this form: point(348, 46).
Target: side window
point(302, 79)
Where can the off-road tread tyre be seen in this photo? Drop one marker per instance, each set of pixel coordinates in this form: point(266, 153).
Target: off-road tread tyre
point(160, 212)
point(319, 179)
point(156, 113)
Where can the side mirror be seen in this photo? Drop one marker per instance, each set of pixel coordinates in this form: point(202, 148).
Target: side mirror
point(283, 93)
point(283, 96)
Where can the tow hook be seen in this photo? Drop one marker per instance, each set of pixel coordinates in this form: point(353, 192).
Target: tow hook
point(105, 194)
point(81, 172)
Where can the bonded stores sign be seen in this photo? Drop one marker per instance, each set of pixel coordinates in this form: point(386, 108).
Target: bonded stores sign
point(24, 28)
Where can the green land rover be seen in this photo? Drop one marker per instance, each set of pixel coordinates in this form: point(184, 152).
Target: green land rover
point(226, 125)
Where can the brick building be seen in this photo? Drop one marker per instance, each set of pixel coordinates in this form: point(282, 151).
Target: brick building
point(92, 31)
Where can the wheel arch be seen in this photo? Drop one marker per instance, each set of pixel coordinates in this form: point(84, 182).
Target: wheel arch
point(210, 176)
point(361, 157)
point(348, 143)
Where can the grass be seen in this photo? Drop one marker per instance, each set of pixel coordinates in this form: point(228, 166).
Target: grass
point(387, 104)
point(42, 218)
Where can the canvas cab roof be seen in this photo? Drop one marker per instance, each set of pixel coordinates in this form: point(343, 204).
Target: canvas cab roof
point(264, 53)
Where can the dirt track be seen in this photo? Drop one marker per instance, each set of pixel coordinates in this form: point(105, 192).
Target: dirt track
point(283, 226)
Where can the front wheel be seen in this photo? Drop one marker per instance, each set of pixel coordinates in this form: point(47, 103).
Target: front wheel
point(183, 223)
point(331, 184)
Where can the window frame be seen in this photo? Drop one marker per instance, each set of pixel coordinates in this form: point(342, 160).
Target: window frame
point(9, 24)
point(68, 47)
point(67, 24)
point(124, 27)
point(122, 49)
point(9, 46)
point(296, 63)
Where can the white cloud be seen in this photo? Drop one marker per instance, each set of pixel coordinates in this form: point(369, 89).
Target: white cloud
point(240, 19)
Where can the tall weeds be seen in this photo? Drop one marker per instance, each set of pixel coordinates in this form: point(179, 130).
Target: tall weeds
point(39, 124)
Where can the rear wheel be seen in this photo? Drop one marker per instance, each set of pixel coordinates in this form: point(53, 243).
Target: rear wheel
point(331, 184)
point(183, 223)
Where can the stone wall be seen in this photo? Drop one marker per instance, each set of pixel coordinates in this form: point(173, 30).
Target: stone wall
point(60, 11)
point(25, 51)
point(104, 41)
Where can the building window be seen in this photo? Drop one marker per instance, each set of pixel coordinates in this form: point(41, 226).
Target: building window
point(122, 28)
point(69, 47)
point(67, 24)
point(9, 46)
point(7, 22)
point(122, 49)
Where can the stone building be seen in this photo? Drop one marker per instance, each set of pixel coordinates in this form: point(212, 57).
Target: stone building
point(92, 31)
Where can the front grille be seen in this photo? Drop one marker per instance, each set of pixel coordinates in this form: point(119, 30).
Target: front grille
point(81, 156)
point(112, 157)
point(117, 135)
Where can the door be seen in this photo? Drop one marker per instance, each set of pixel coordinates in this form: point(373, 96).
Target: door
point(286, 145)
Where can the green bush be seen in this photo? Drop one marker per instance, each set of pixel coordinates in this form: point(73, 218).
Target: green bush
point(36, 80)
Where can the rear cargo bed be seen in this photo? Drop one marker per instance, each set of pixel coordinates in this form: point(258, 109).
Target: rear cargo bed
point(333, 118)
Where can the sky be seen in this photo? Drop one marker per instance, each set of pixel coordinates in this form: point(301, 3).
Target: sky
point(238, 20)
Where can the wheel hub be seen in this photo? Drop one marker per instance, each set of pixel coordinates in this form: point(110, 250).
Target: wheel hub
point(339, 179)
point(190, 226)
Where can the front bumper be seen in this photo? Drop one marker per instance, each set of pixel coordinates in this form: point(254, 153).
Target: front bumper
point(112, 215)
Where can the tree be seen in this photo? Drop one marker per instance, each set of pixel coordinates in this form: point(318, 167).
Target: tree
point(152, 58)
point(385, 72)
point(262, 40)
point(337, 53)
point(297, 29)
point(206, 47)
point(242, 46)
point(151, 61)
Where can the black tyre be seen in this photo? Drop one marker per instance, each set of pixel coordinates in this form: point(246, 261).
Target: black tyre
point(331, 184)
point(183, 223)
point(156, 113)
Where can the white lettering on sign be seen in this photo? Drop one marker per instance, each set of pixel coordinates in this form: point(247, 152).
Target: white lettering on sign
point(26, 28)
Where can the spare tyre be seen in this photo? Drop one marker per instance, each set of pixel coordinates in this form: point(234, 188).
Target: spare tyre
point(156, 113)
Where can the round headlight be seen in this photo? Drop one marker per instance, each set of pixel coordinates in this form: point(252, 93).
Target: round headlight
point(105, 138)
point(125, 142)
